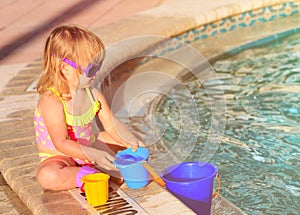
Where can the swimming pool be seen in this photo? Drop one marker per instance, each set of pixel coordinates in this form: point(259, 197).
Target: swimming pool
point(258, 171)
point(259, 155)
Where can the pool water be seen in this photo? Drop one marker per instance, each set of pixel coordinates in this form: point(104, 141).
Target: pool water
point(259, 155)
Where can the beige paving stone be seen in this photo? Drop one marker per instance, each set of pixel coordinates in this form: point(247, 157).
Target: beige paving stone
point(135, 26)
point(14, 134)
point(62, 203)
point(73, 211)
point(18, 152)
point(220, 205)
point(10, 203)
point(59, 203)
point(151, 188)
point(25, 161)
point(20, 182)
point(18, 132)
point(11, 173)
point(155, 199)
point(162, 202)
point(9, 71)
point(31, 196)
point(20, 142)
point(15, 108)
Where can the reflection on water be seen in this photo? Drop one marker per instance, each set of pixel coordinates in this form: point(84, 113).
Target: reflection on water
point(259, 156)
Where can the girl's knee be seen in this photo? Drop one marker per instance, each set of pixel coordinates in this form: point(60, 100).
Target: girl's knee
point(47, 178)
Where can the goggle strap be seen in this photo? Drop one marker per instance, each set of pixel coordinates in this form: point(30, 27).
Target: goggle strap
point(71, 63)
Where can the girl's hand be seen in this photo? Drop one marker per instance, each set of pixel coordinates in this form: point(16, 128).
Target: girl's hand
point(101, 156)
point(135, 145)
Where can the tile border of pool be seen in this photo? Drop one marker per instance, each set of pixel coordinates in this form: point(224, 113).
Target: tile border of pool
point(261, 42)
point(245, 19)
point(248, 18)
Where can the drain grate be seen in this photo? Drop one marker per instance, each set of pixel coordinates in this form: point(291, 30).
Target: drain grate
point(119, 203)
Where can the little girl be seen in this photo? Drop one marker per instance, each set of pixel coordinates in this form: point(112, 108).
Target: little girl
point(67, 105)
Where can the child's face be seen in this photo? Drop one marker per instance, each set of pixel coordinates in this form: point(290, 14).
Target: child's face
point(89, 71)
point(88, 75)
point(84, 81)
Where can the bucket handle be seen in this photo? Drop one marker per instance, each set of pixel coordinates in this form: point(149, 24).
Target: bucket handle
point(155, 176)
point(219, 186)
point(82, 188)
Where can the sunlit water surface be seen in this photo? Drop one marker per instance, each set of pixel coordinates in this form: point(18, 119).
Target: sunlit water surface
point(259, 155)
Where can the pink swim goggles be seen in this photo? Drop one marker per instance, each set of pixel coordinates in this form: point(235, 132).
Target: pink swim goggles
point(90, 71)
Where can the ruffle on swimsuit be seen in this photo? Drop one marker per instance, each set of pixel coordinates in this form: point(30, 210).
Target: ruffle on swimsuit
point(87, 117)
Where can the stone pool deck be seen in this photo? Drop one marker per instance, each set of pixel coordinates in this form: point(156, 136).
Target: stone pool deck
point(20, 56)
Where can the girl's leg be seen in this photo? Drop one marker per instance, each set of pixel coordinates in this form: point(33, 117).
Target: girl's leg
point(58, 173)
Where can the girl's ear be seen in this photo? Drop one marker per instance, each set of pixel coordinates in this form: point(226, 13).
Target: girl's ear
point(64, 68)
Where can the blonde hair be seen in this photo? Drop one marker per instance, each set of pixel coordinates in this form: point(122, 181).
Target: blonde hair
point(74, 43)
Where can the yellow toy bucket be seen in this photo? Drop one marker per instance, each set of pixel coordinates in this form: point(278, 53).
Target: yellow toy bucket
point(96, 188)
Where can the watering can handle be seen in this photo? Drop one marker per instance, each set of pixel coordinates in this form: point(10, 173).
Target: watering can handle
point(219, 186)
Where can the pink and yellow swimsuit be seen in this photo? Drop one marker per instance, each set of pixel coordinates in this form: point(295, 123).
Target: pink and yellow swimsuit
point(79, 127)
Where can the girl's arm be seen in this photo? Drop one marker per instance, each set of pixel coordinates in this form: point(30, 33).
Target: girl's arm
point(114, 126)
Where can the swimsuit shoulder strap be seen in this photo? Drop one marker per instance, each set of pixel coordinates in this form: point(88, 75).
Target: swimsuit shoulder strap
point(89, 93)
point(59, 96)
point(54, 91)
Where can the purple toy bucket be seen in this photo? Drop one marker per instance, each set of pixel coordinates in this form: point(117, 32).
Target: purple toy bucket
point(192, 183)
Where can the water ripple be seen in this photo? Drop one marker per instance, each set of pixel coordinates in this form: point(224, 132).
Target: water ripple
point(258, 158)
